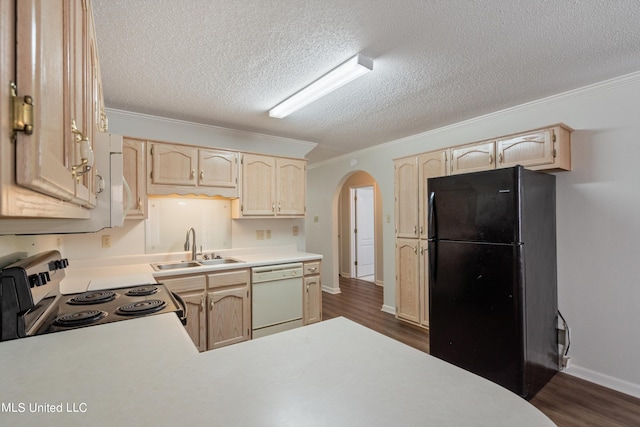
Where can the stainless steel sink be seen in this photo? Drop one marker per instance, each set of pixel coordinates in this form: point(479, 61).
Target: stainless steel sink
point(189, 264)
point(174, 265)
point(217, 261)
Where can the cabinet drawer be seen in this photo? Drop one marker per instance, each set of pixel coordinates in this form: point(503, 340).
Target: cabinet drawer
point(228, 278)
point(184, 283)
point(311, 268)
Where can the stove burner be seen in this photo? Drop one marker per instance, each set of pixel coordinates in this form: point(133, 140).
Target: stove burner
point(142, 307)
point(93, 297)
point(142, 291)
point(80, 318)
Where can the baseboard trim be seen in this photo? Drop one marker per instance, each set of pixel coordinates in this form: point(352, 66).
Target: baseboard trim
point(332, 291)
point(604, 380)
point(389, 309)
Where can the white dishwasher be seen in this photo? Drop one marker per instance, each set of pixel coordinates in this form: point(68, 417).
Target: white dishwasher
point(277, 298)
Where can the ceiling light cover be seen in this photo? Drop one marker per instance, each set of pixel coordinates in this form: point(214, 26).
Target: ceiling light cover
point(339, 76)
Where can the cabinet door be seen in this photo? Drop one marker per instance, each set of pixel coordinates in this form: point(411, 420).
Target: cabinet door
point(229, 316)
point(229, 308)
point(430, 165)
point(473, 158)
point(218, 168)
point(196, 318)
point(258, 185)
point(407, 280)
point(173, 164)
point(47, 70)
point(312, 307)
point(133, 153)
point(406, 192)
point(531, 149)
point(424, 284)
point(291, 178)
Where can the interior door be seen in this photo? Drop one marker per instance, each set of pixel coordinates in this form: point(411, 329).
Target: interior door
point(365, 235)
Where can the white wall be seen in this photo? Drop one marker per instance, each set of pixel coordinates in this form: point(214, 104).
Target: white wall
point(598, 216)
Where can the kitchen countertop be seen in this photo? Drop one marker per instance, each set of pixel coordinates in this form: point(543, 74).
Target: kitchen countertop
point(114, 272)
point(333, 373)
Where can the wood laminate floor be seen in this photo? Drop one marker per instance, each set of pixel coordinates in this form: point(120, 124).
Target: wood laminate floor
point(567, 400)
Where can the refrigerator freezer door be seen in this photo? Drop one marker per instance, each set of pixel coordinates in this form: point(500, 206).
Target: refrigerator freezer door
point(480, 207)
point(474, 309)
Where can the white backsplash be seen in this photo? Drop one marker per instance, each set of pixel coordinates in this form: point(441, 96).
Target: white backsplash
point(170, 218)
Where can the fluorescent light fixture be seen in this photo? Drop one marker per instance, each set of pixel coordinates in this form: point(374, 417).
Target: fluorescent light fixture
point(340, 76)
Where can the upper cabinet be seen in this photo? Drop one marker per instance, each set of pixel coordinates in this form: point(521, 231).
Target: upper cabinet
point(473, 157)
point(182, 169)
point(406, 197)
point(547, 149)
point(47, 166)
point(271, 187)
point(134, 171)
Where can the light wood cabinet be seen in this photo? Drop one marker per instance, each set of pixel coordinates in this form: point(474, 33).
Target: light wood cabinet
point(312, 296)
point(473, 157)
point(192, 289)
point(218, 307)
point(423, 282)
point(229, 308)
point(134, 171)
point(407, 280)
point(406, 197)
point(258, 195)
point(271, 187)
point(184, 169)
point(412, 216)
point(196, 317)
point(291, 179)
point(55, 71)
point(547, 149)
point(430, 165)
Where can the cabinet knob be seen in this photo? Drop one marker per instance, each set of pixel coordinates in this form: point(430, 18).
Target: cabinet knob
point(490, 159)
point(193, 173)
point(201, 174)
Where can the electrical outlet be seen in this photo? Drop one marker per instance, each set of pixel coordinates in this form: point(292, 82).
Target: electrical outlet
point(259, 234)
point(106, 241)
point(267, 234)
point(295, 230)
point(388, 218)
point(316, 219)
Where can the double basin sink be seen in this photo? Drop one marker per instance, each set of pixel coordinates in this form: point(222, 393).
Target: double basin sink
point(188, 264)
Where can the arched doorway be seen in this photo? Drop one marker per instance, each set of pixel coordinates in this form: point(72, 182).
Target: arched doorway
point(360, 228)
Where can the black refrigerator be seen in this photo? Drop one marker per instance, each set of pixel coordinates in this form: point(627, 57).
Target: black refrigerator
point(493, 276)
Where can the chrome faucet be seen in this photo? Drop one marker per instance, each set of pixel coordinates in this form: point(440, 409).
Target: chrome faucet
point(193, 246)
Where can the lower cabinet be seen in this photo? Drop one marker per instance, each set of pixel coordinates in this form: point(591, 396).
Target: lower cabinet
point(196, 317)
point(312, 295)
point(229, 308)
point(218, 307)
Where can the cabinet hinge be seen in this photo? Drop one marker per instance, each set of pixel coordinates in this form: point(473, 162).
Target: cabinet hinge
point(241, 208)
point(554, 137)
point(355, 231)
point(554, 153)
point(22, 111)
point(355, 263)
point(152, 150)
point(151, 174)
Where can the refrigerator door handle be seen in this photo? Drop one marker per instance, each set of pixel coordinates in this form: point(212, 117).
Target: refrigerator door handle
point(432, 253)
point(431, 226)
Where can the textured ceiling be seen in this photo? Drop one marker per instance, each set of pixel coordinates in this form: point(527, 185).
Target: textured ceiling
point(436, 62)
